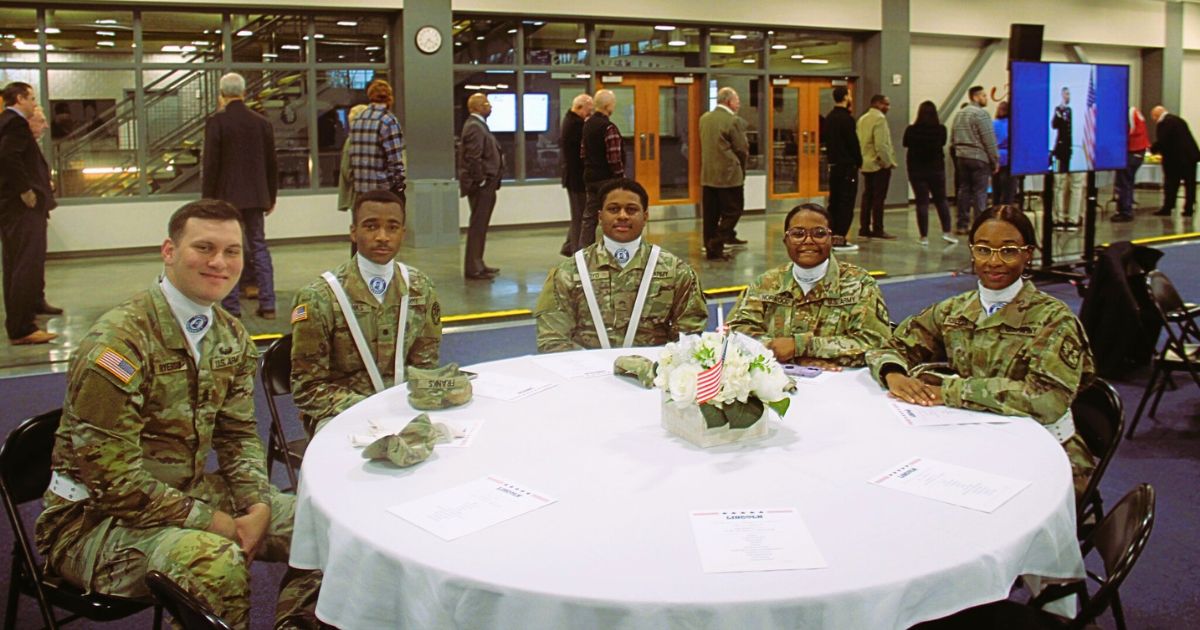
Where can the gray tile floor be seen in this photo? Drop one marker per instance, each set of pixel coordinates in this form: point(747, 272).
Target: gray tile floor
point(86, 287)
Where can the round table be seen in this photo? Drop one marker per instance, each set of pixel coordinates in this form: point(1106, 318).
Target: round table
point(617, 551)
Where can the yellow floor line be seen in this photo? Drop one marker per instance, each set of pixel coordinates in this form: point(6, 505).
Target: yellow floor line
point(469, 317)
point(1164, 239)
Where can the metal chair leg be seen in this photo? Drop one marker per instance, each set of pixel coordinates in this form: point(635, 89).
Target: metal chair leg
point(1117, 612)
point(1137, 415)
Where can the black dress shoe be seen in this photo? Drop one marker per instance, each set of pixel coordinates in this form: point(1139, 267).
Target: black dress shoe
point(482, 275)
point(45, 308)
point(1121, 218)
point(495, 271)
point(735, 241)
point(721, 257)
point(1163, 213)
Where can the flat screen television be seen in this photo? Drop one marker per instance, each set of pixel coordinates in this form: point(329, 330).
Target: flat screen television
point(536, 113)
point(1068, 117)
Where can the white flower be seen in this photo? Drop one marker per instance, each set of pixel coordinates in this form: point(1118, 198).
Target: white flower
point(750, 369)
point(681, 386)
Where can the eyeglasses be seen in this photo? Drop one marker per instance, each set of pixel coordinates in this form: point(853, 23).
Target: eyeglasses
point(799, 234)
point(1008, 253)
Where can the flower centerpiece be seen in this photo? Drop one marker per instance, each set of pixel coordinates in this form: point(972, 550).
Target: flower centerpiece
point(717, 387)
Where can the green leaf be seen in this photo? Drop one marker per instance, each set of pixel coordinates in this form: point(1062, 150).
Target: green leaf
point(713, 416)
point(744, 414)
point(780, 406)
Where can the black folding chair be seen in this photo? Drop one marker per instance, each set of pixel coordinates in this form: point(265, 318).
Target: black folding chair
point(276, 374)
point(1100, 420)
point(24, 477)
point(1180, 351)
point(190, 612)
point(1118, 539)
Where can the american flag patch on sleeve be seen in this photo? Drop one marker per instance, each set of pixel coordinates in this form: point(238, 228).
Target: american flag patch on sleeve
point(300, 313)
point(116, 365)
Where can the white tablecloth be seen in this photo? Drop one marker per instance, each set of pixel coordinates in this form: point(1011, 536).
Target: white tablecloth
point(616, 550)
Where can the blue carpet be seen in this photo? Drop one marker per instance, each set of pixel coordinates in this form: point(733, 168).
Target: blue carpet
point(1166, 453)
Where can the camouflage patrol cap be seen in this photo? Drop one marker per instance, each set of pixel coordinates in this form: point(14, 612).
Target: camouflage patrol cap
point(438, 388)
point(637, 367)
point(412, 445)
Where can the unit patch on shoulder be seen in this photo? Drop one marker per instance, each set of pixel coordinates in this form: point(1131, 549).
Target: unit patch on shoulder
point(117, 365)
point(300, 313)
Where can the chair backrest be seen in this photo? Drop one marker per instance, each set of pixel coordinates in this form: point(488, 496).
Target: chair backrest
point(1162, 292)
point(25, 457)
point(1100, 420)
point(277, 367)
point(1119, 539)
point(190, 612)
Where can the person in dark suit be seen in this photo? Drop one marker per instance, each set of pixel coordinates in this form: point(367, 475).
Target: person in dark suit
point(1174, 142)
point(45, 193)
point(479, 166)
point(23, 207)
point(569, 141)
point(239, 167)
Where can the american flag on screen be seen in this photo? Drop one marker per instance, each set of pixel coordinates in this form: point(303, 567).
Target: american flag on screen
point(1089, 125)
point(708, 382)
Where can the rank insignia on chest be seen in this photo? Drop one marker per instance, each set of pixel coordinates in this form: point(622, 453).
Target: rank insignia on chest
point(117, 365)
point(300, 313)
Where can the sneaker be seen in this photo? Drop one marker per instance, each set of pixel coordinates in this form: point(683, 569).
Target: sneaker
point(845, 248)
point(949, 239)
point(923, 241)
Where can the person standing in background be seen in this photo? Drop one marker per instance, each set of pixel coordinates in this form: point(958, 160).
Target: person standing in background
point(878, 160)
point(926, 161)
point(973, 142)
point(239, 167)
point(45, 190)
point(377, 144)
point(479, 166)
point(845, 158)
point(1174, 142)
point(1139, 141)
point(570, 140)
point(1003, 185)
point(724, 151)
point(603, 161)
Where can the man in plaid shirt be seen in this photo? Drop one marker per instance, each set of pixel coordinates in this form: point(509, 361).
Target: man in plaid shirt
point(603, 160)
point(377, 144)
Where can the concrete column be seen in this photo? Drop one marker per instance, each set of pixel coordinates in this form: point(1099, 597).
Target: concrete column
point(1162, 69)
point(426, 107)
point(886, 61)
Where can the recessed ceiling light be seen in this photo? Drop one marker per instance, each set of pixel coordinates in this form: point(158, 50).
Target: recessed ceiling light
point(106, 43)
point(512, 31)
point(171, 48)
point(470, 87)
point(583, 75)
point(814, 61)
point(581, 40)
point(372, 48)
point(778, 46)
point(318, 36)
point(201, 42)
point(797, 56)
point(677, 42)
point(187, 49)
point(538, 23)
point(106, 33)
point(739, 36)
point(106, 21)
point(50, 30)
point(502, 86)
point(245, 33)
point(748, 61)
point(350, 23)
point(269, 55)
point(290, 47)
point(480, 37)
point(458, 43)
point(664, 27)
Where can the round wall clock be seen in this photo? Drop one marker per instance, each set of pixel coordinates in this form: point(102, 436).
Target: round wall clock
point(429, 39)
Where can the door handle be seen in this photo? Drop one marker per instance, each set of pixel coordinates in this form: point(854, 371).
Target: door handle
point(652, 143)
point(642, 142)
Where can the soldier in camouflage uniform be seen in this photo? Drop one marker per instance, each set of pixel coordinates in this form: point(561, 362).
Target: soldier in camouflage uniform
point(815, 310)
point(328, 373)
point(616, 268)
point(1013, 349)
point(157, 383)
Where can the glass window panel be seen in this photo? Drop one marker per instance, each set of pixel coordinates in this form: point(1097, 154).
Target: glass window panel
point(178, 102)
point(673, 142)
point(635, 46)
point(174, 37)
point(338, 91)
point(496, 84)
point(95, 151)
point(555, 43)
point(749, 93)
point(543, 149)
point(272, 38)
point(485, 40)
point(282, 97)
point(18, 37)
point(786, 140)
point(735, 48)
point(797, 51)
point(352, 38)
point(83, 36)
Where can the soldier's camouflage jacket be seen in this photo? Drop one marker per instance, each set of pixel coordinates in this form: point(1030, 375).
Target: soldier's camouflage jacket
point(841, 318)
point(674, 304)
point(328, 375)
point(140, 419)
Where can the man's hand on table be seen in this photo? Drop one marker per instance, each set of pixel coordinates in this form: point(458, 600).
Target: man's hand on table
point(913, 391)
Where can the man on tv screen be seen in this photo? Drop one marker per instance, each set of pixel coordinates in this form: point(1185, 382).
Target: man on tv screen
point(1069, 185)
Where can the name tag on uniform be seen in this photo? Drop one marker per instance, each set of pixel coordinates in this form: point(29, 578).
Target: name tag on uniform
point(171, 365)
point(661, 274)
point(224, 362)
point(782, 300)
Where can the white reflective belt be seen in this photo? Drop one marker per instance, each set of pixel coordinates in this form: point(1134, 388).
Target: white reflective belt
point(356, 333)
point(1063, 428)
point(67, 487)
point(635, 318)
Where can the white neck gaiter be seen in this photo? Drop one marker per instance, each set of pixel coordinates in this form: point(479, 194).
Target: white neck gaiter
point(808, 278)
point(993, 300)
point(378, 277)
point(622, 252)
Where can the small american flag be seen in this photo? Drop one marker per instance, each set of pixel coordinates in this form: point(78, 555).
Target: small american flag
point(300, 313)
point(1089, 125)
point(708, 382)
point(116, 365)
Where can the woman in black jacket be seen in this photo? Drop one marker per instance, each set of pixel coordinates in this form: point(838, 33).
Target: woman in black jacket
point(926, 141)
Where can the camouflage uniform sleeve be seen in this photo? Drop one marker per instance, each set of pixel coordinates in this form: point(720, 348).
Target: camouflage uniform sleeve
point(553, 314)
point(241, 460)
point(690, 311)
point(1057, 364)
point(313, 388)
point(867, 327)
point(916, 340)
point(107, 418)
point(748, 315)
point(423, 352)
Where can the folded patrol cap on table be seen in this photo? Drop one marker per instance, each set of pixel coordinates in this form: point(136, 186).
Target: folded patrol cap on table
point(636, 367)
point(412, 445)
point(438, 388)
